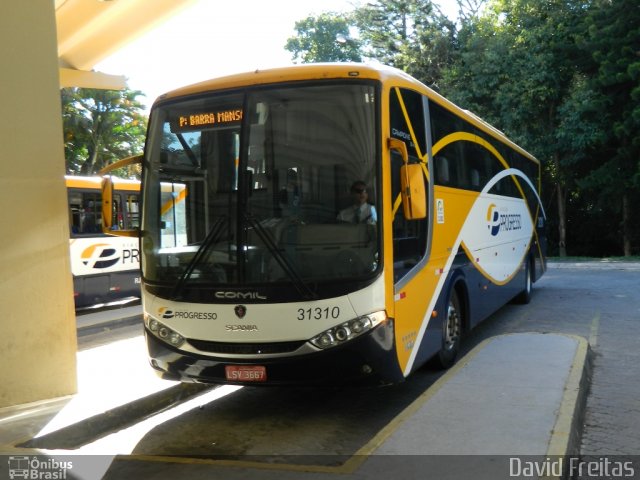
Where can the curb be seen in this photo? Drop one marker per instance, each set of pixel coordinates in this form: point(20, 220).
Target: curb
point(567, 431)
point(594, 265)
point(100, 425)
point(100, 327)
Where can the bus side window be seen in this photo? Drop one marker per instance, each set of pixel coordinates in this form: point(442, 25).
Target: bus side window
point(442, 170)
point(117, 208)
point(91, 213)
point(449, 164)
point(75, 208)
point(132, 211)
point(475, 179)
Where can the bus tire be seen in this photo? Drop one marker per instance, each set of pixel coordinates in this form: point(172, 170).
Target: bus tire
point(451, 331)
point(524, 297)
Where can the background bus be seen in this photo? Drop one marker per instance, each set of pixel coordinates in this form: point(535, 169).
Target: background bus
point(256, 279)
point(105, 268)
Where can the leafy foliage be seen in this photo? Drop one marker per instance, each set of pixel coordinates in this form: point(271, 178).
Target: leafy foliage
point(611, 43)
point(101, 127)
point(412, 35)
point(323, 39)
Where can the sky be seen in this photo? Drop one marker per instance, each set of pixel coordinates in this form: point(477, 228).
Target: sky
point(212, 38)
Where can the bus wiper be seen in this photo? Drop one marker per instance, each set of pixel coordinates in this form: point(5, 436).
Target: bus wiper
point(300, 285)
point(188, 150)
point(211, 239)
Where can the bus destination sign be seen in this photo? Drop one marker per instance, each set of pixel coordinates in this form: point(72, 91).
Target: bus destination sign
point(210, 119)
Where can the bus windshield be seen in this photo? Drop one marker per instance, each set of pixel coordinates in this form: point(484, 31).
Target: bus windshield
point(273, 187)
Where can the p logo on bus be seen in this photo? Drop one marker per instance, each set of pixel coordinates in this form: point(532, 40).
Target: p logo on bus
point(493, 218)
point(505, 222)
point(100, 255)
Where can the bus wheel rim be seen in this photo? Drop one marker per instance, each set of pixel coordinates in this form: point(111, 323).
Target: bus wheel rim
point(452, 327)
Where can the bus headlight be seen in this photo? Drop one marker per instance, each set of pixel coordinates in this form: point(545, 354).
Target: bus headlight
point(163, 332)
point(348, 330)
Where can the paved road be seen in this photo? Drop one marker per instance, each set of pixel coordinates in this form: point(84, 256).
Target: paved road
point(601, 302)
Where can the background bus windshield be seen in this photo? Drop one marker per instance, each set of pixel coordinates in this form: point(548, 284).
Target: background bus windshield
point(261, 187)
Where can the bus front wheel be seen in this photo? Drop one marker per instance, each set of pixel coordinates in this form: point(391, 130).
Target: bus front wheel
point(451, 331)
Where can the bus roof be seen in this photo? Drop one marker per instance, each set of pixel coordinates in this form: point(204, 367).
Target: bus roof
point(315, 71)
point(292, 73)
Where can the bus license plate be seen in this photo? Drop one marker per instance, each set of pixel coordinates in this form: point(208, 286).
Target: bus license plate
point(243, 373)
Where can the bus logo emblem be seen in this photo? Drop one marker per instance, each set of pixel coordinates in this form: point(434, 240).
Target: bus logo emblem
point(99, 255)
point(493, 219)
point(240, 310)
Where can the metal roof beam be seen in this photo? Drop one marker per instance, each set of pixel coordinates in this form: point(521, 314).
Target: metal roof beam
point(91, 30)
point(70, 77)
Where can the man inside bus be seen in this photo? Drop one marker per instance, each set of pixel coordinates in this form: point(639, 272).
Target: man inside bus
point(360, 211)
point(290, 196)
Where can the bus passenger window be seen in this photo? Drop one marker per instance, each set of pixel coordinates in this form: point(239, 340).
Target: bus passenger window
point(442, 170)
point(91, 214)
point(475, 179)
point(75, 207)
point(133, 211)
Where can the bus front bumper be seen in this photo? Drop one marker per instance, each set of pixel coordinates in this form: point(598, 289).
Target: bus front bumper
point(369, 359)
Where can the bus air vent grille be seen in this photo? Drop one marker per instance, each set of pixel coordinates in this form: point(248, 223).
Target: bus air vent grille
point(245, 348)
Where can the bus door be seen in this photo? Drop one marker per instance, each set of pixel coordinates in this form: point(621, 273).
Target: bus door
point(413, 287)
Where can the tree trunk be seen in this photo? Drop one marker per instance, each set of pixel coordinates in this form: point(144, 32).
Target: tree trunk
point(561, 193)
point(562, 220)
point(88, 166)
point(626, 225)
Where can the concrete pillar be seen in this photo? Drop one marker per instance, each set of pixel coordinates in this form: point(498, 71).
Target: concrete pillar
point(37, 319)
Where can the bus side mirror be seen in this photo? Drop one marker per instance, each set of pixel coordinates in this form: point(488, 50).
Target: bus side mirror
point(108, 225)
point(107, 204)
point(400, 147)
point(413, 189)
point(414, 198)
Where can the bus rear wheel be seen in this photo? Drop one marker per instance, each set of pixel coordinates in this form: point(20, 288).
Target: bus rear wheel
point(524, 297)
point(451, 332)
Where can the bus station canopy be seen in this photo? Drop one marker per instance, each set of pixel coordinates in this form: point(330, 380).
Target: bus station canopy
point(91, 30)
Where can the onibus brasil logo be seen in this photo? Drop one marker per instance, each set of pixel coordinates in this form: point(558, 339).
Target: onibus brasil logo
point(38, 468)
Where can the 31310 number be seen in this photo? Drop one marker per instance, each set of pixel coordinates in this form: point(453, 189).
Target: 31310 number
point(318, 313)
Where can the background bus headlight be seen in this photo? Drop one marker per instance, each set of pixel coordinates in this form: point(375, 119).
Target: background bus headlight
point(163, 332)
point(348, 330)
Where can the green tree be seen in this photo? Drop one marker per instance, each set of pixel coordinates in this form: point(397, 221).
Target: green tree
point(469, 10)
point(580, 133)
point(324, 38)
point(100, 127)
point(612, 42)
point(411, 35)
point(516, 68)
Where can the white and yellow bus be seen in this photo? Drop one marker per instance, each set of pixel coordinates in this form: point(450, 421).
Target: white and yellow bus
point(105, 268)
point(326, 223)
